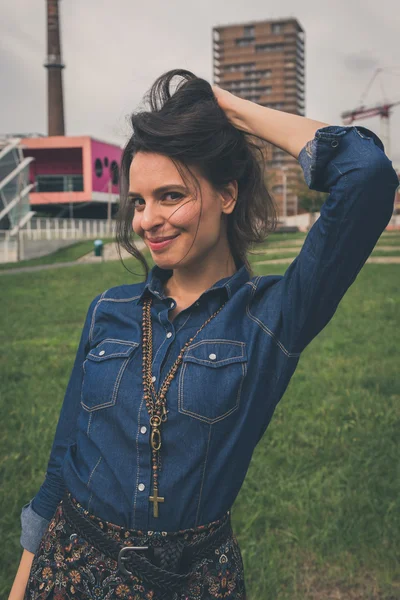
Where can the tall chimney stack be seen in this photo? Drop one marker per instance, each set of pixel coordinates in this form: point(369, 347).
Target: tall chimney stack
point(54, 66)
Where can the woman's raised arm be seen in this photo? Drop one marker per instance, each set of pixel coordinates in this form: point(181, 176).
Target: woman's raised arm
point(284, 130)
point(350, 164)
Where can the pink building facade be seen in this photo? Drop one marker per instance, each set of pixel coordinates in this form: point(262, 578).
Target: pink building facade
point(72, 170)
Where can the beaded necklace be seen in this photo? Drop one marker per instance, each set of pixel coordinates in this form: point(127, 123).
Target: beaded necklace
point(156, 403)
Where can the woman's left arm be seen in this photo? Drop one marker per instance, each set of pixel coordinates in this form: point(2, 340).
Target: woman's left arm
point(350, 164)
point(284, 130)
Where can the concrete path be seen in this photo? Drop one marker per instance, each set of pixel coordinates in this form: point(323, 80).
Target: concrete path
point(110, 253)
point(376, 259)
point(72, 263)
point(295, 247)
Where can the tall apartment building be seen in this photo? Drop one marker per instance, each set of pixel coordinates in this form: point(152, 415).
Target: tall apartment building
point(264, 62)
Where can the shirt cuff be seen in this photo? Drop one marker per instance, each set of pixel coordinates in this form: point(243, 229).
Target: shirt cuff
point(33, 528)
point(318, 152)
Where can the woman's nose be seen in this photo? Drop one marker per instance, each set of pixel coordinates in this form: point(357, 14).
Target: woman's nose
point(151, 217)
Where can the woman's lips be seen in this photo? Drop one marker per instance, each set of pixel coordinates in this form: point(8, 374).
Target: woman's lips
point(160, 245)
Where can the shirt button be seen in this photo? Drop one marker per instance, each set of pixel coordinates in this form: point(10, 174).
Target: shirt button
point(334, 144)
point(153, 378)
point(141, 486)
point(143, 429)
point(102, 352)
point(196, 303)
point(212, 356)
point(169, 334)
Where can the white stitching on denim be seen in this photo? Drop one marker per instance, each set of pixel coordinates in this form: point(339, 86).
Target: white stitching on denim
point(94, 468)
point(137, 462)
point(118, 380)
point(225, 284)
point(132, 346)
point(187, 357)
point(115, 389)
point(123, 342)
point(94, 316)
point(265, 328)
point(204, 472)
point(89, 424)
point(165, 339)
point(185, 411)
point(220, 341)
point(107, 300)
point(184, 323)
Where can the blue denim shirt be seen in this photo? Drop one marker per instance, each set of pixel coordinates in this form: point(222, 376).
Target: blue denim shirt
point(233, 374)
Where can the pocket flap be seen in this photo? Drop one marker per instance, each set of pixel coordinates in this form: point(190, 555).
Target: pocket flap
point(216, 353)
point(112, 349)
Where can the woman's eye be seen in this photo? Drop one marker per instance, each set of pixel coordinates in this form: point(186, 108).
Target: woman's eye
point(134, 200)
point(174, 194)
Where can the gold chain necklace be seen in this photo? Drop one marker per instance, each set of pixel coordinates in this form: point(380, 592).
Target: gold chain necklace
point(157, 407)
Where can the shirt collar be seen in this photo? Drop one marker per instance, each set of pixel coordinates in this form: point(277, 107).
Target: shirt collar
point(158, 276)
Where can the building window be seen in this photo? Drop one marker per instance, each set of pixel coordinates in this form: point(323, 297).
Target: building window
point(114, 172)
point(244, 41)
point(59, 183)
point(249, 31)
point(269, 48)
point(98, 167)
point(277, 28)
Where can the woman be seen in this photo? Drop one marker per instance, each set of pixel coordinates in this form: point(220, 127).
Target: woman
point(176, 378)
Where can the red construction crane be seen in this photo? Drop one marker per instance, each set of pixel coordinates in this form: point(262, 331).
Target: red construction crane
point(363, 112)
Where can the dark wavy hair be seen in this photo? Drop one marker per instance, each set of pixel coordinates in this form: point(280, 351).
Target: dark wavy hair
point(191, 129)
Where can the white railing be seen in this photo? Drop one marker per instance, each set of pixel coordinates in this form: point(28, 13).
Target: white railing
point(46, 229)
point(41, 228)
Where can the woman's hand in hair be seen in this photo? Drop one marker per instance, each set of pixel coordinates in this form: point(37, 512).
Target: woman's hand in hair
point(232, 106)
point(287, 131)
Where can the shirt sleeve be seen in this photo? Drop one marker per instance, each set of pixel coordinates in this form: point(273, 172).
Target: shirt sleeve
point(37, 513)
point(350, 164)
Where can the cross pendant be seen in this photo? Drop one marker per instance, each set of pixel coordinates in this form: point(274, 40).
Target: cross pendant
point(155, 499)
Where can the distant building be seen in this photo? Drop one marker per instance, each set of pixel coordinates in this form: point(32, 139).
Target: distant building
point(264, 61)
point(77, 173)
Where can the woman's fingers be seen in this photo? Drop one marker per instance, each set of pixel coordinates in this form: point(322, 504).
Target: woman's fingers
point(232, 106)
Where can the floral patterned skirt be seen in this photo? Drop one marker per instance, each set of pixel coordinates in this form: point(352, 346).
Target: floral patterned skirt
point(67, 567)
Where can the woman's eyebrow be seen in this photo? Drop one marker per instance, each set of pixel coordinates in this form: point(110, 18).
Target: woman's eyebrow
point(161, 189)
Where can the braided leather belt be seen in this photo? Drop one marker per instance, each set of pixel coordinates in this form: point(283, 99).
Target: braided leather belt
point(165, 566)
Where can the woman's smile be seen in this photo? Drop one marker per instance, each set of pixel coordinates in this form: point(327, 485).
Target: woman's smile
point(156, 246)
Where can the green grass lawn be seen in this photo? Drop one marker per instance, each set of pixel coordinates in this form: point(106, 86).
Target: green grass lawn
point(318, 516)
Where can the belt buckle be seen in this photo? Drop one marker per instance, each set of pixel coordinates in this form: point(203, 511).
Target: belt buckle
point(122, 556)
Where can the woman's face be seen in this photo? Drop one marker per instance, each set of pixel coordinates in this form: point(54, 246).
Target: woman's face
point(175, 211)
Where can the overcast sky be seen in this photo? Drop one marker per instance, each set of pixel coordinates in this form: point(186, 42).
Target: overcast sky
point(114, 50)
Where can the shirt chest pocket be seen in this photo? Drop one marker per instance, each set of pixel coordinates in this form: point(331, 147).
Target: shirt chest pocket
point(211, 379)
point(103, 370)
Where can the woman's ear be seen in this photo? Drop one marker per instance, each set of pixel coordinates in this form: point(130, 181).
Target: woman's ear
point(229, 196)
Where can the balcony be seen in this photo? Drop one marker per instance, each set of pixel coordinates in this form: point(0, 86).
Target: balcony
point(59, 183)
